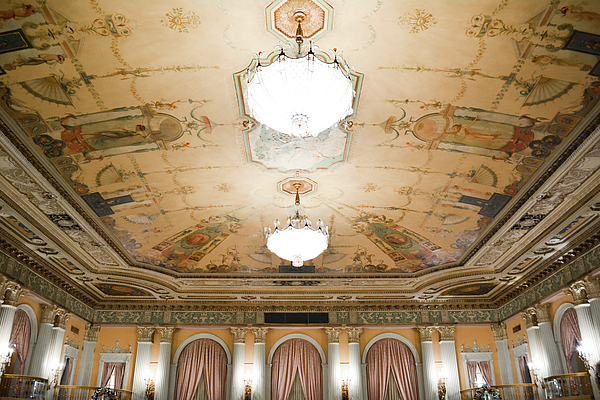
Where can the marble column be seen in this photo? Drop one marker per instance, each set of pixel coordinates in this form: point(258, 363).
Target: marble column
point(333, 363)
point(84, 376)
point(538, 359)
point(449, 361)
point(504, 359)
point(259, 388)
point(547, 340)
point(239, 353)
point(10, 298)
point(54, 361)
point(164, 362)
point(142, 361)
point(41, 351)
point(589, 334)
point(355, 386)
point(430, 375)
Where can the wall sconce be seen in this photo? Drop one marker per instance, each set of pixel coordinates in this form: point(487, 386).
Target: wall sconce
point(150, 388)
point(55, 374)
point(535, 371)
point(247, 389)
point(585, 355)
point(441, 386)
point(5, 358)
point(345, 391)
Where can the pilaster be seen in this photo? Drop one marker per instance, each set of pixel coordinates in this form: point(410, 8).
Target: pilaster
point(164, 363)
point(355, 386)
point(333, 364)
point(504, 359)
point(142, 361)
point(239, 350)
point(430, 375)
point(449, 361)
point(84, 376)
point(259, 388)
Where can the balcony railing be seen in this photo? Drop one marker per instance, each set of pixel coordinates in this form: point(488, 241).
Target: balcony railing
point(72, 392)
point(22, 387)
point(517, 391)
point(569, 386)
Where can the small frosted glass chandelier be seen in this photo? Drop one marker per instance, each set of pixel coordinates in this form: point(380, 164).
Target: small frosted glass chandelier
point(298, 242)
point(300, 94)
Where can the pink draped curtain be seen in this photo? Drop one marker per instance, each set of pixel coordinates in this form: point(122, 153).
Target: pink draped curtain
point(472, 369)
point(570, 335)
point(486, 371)
point(301, 356)
point(524, 370)
point(20, 336)
point(119, 370)
point(202, 355)
point(391, 354)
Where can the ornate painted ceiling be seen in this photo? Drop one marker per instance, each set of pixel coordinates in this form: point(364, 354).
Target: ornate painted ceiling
point(131, 168)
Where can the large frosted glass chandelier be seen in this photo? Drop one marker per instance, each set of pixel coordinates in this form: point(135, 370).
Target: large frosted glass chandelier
point(298, 242)
point(299, 93)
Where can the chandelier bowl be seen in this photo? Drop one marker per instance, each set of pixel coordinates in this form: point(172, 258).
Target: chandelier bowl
point(297, 244)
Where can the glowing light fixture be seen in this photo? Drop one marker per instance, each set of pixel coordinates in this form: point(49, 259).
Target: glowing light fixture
point(299, 93)
point(298, 242)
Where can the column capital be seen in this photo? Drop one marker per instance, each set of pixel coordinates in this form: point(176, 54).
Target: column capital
point(499, 332)
point(239, 335)
point(425, 333)
point(145, 333)
point(542, 311)
point(11, 293)
point(91, 333)
point(333, 335)
point(578, 292)
point(592, 286)
point(166, 334)
point(63, 317)
point(530, 318)
point(48, 314)
point(446, 332)
point(354, 334)
point(260, 334)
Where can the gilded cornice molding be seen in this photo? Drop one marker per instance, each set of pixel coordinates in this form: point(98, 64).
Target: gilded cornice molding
point(446, 332)
point(425, 333)
point(239, 335)
point(333, 335)
point(499, 332)
point(260, 334)
point(354, 334)
point(145, 333)
point(166, 334)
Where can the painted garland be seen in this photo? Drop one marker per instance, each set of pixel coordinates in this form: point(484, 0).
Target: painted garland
point(104, 391)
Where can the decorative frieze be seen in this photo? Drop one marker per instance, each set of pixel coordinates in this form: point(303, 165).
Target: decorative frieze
point(425, 333)
point(91, 333)
point(578, 292)
point(499, 332)
point(166, 334)
point(333, 335)
point(446, 332)
point(12, 292)
point(354, 334)
point(145, 333)
point(239, 335)
point(260, 335)
point(48, 314)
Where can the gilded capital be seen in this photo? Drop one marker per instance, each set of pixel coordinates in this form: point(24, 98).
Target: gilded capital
point(530, 318)
point(260, 335)
point(48, 314)
point(62, 316)
point(12, 292)
point(446, 332)
point(166, 334)
point(145, 333)
point(592, 286)
point(239, 335)
point(578, 292)
point(499, 332)
point(542, 312)
point(91, 333)
point(354, 334)
point(3, 283)
point(425, 333)
point(333, 335)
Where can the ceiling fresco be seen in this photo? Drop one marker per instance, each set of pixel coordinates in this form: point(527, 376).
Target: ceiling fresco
point(136, 110)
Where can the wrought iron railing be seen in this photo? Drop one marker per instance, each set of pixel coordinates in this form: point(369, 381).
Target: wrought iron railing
point(517, 391)
point(23, 387)
point(568, 386)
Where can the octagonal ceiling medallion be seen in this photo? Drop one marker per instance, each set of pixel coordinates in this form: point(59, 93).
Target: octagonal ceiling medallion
point(306, 186)
point(318, 18)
